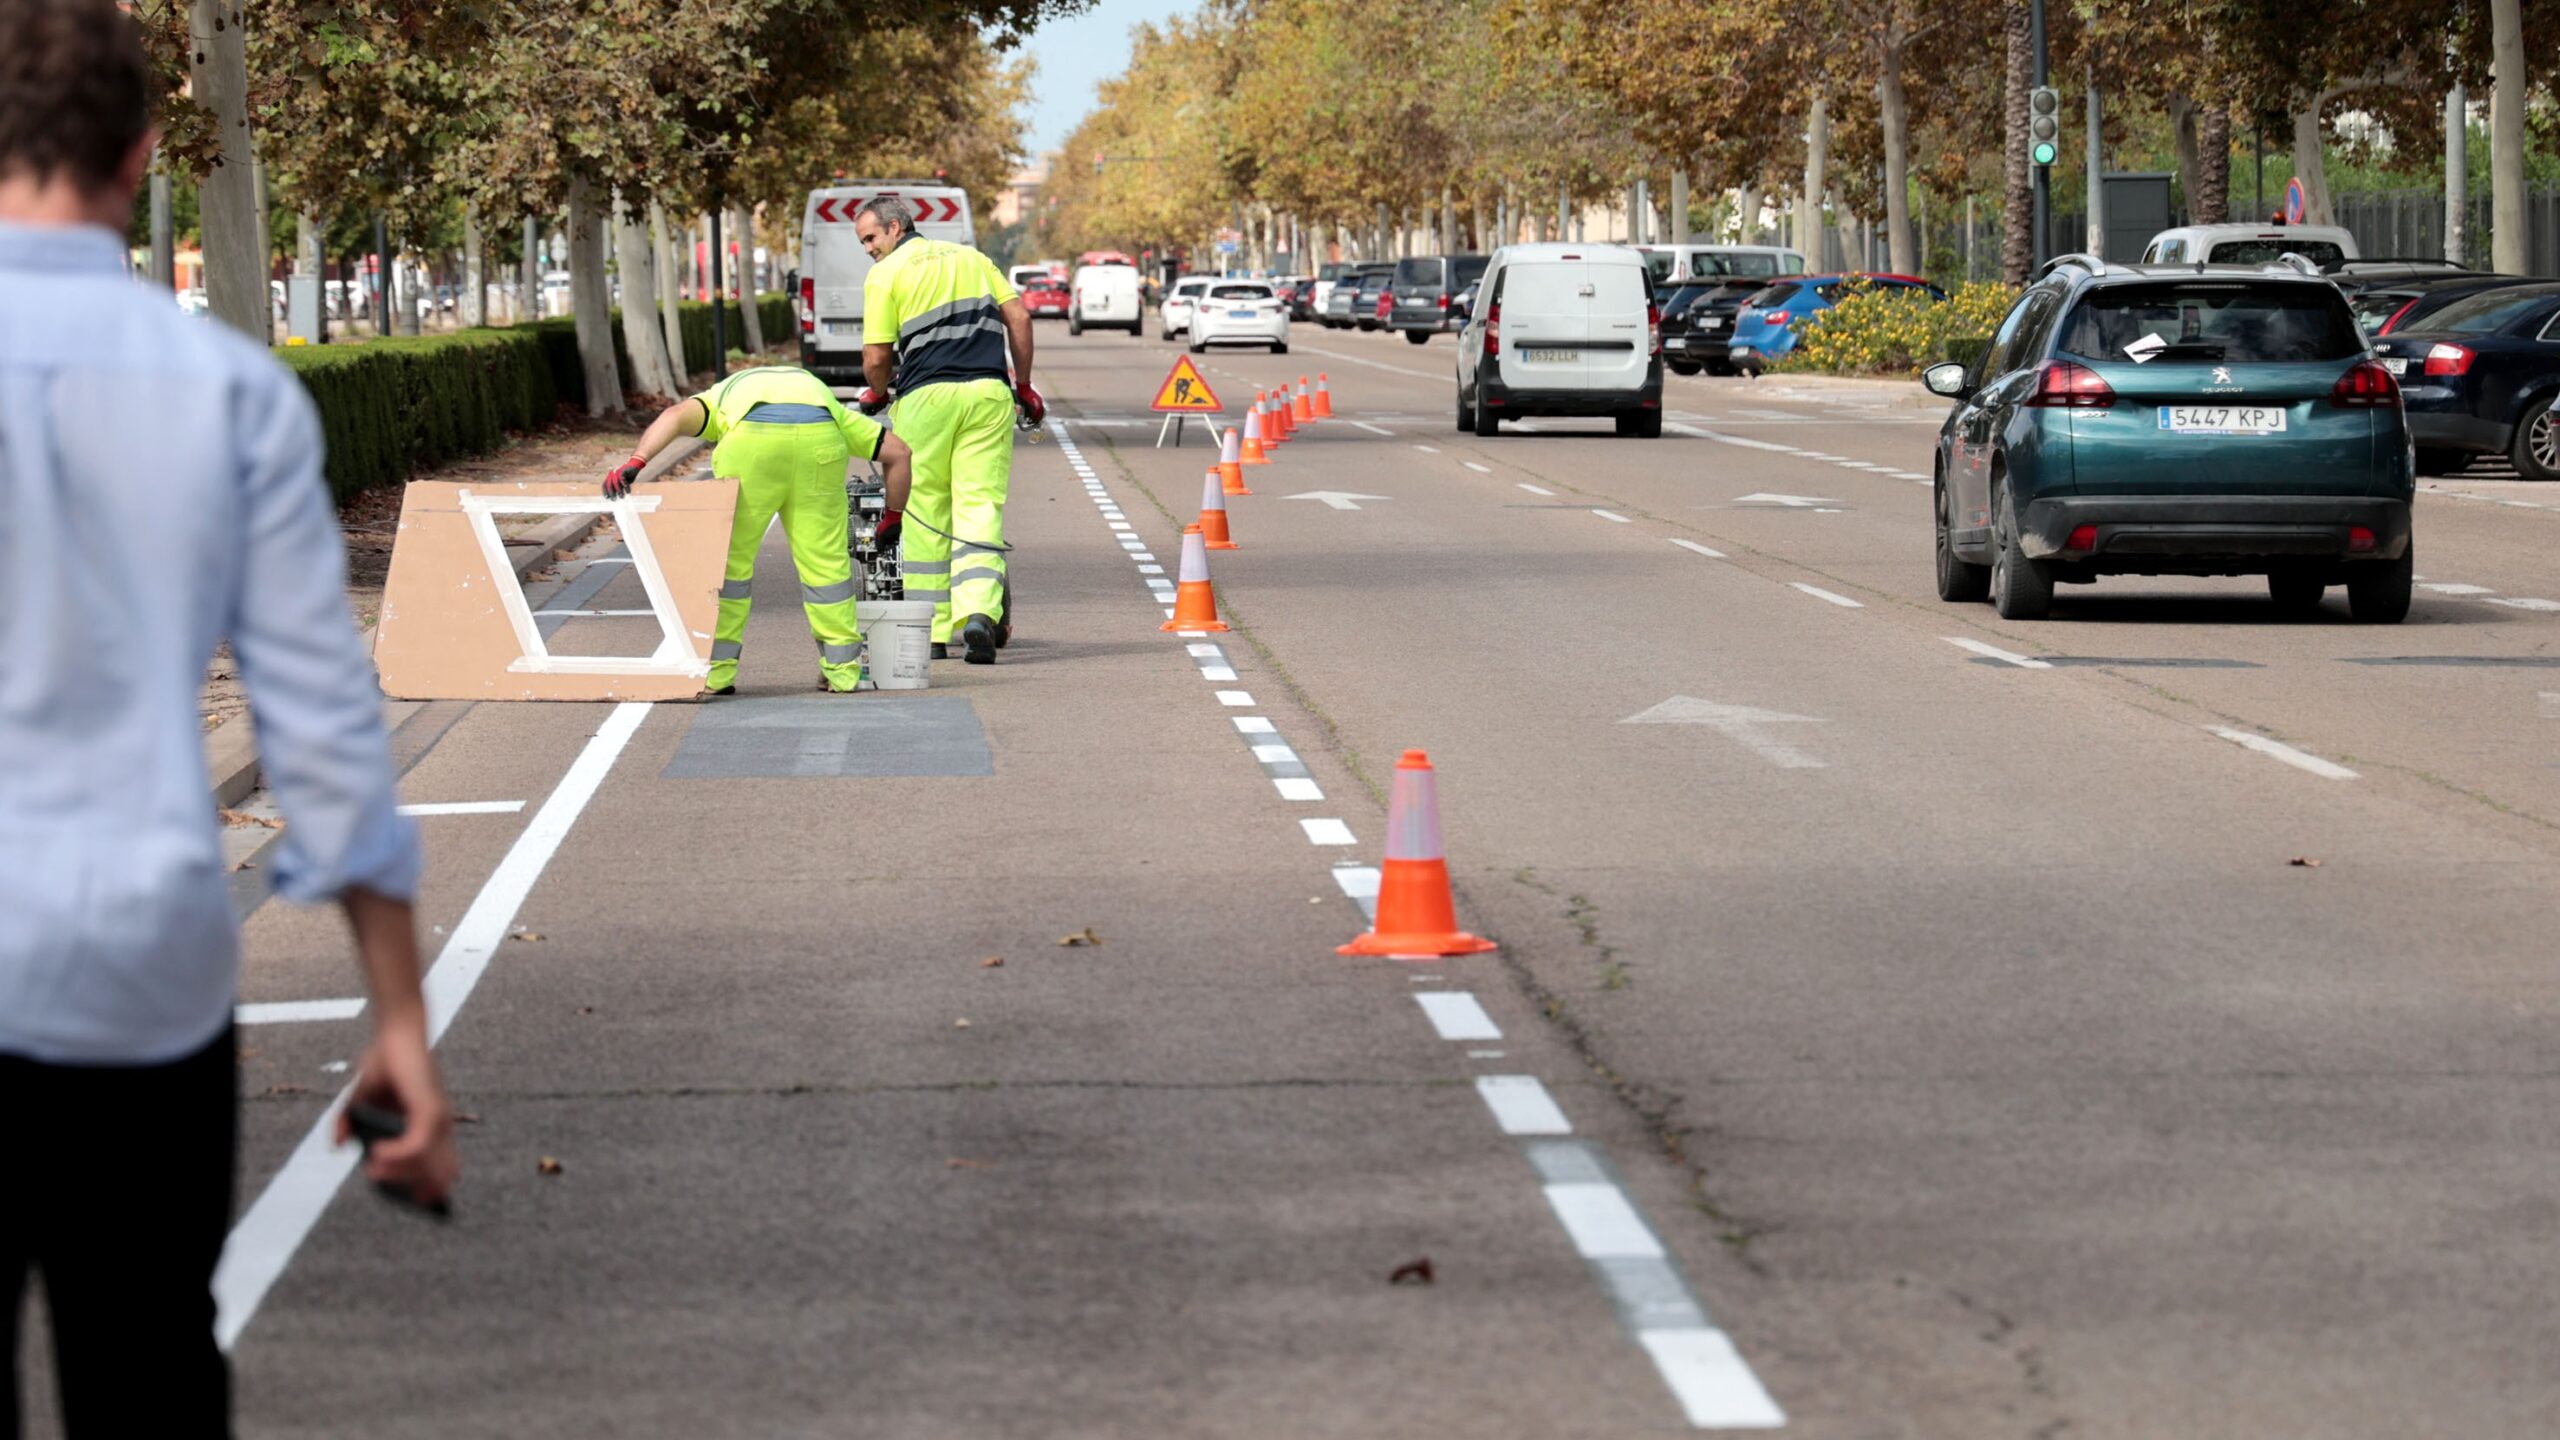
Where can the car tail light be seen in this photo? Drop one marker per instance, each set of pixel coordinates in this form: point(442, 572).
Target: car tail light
point(2448, 359)
point(808, 305)
point(2061, 385)
point(2396, 314)
point(2365, 386)
point(2083, 539)
point(2359, 539)
point(1493, 330)
point(1444, 302)
point(1652, 329)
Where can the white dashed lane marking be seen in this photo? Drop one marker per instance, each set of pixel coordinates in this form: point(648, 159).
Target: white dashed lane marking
point(1818, 593)
point(1994, 652)
point(2278, 750)
point(1700, 549)
point(1457, 1015)
point(1613, 515)
point(1535, 489)
point(1522, 1106)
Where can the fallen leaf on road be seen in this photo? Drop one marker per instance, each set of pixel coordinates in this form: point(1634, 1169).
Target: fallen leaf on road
point(959, 1024)
point(991, 962)
point(1084, 936)
point(522, 934)
point(586, 1009)
point(242, 817)
point(2305, 861)
point(1412, 1272)
point(956, 1163)
point(546, 1166)
point(465, 1117)
point(288, 1090)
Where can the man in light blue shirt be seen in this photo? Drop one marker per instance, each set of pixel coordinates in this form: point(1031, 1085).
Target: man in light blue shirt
point(160, 491)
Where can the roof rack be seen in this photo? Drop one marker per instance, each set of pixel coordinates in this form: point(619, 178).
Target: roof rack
point(2090, 263)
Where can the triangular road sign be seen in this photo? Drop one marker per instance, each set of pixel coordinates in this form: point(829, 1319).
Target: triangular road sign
point(1185, 391)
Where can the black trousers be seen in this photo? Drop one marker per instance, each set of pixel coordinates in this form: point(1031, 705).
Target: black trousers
point(116, 1185)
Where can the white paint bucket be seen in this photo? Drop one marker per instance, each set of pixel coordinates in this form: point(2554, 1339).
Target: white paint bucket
point(900, 636)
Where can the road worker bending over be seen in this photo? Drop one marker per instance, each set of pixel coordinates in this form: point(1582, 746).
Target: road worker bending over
point(937, 320)
point(783, 436)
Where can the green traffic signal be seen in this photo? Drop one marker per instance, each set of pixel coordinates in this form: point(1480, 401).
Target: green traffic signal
point(2044, 152)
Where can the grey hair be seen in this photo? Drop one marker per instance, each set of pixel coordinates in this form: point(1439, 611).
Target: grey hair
point(888, 210)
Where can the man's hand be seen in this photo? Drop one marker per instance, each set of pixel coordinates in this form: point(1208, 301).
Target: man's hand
point(1028, 404)
point(398, 1074)
point(872, 400)
point(618, 482)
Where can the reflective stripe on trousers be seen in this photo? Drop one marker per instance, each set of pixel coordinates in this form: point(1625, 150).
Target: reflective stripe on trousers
point(796, 472)
point(962, 437)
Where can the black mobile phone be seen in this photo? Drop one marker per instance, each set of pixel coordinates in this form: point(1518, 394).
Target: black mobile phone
point(371, 1124)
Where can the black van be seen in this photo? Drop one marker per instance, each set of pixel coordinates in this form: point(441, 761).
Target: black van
point(1423, 286)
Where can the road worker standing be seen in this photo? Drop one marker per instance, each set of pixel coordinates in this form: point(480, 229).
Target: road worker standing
point(786, 439)
point(937, 321)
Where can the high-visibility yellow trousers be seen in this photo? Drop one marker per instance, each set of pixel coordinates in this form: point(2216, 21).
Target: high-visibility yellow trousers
point(962, 436)
point(797, 472)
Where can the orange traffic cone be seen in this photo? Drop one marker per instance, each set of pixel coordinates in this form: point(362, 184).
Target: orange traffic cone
point(1280, 412)
point(1252, 454)
point(1195, 605)
point(1417, 917)
point(1301, 409)
point(1272, 432)
point(1213, 514)
point(1324, 399)
point(1231, 464)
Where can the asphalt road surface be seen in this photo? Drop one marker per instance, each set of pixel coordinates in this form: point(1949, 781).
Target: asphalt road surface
point(1906, 1023)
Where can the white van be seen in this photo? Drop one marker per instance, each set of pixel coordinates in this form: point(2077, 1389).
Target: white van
point(833, 265)
point(1672, 264)
point(1562, 330)
point(1106, 296)
point(2322, 245)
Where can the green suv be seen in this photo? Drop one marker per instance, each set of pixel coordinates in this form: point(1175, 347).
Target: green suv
point(2175, 420)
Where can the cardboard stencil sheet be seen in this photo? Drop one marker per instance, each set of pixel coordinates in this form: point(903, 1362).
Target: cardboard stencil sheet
point(455, 623)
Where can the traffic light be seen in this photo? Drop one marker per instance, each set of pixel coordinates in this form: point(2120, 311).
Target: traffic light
point(2044, 124)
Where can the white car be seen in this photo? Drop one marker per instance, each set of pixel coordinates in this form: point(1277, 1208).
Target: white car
point(1178, 301)
point(1240, 312)
point(2322, 245)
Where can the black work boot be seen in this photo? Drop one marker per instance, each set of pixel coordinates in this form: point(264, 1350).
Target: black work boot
point(979, 635)
point(941, 651)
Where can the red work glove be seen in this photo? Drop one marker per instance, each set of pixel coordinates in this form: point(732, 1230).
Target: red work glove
point(872, 400)
point(1029, 405)
point(891, 522)
point(619, 481)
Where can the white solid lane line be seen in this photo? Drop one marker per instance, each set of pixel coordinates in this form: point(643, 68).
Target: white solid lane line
point(286, 1012)
point(266, 1237)
point(2278, 750)
point(1714, 1386)
point(1521, 1106)
point(1996, 653)
point(1375, 429)
point(1706, 434)
point(1534, 489)
point(1613, 515)
point(1818, 593)
point(1457, 1016)
point(2443, 589)
point(1601, 1220)
point(1327, 832)
point(1701, 549)
point(473, 807)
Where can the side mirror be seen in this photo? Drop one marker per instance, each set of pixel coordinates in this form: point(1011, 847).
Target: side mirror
point(1946, 378)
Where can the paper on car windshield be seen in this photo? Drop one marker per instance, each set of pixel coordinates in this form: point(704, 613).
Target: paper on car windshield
point(2142, 347)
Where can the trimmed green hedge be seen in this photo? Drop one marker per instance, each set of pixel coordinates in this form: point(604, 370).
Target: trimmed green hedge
point(394, 406)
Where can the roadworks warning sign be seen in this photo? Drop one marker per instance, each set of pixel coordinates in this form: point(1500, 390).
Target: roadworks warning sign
point(1184, 390)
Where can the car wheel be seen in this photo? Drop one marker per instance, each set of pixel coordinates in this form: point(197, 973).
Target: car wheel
point(1280, 347)
point(1488, 424)
point(2021, 588)
point(2442, 462)
point(1466, 415)
point(2378, 591)
point(1959, 579)
point(2296, 594)
point(2537, 446)
point(1075, 325)
point(1199, 349)
point(1167, 335)
point(1681, 367)
point(1418, 337)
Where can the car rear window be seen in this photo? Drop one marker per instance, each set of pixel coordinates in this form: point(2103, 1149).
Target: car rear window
point(1241, 292)
point(1773, 297)
point(1421, 270)
point(2373, 308)
point(1466, 268)
point(2204, 322)
point(2490, 311)
point(1658, 263)
point(2268, 252)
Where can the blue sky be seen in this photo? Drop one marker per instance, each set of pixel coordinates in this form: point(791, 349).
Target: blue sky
point(1077, 54)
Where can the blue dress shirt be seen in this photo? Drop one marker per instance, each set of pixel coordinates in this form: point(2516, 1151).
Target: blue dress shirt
point(160, 491)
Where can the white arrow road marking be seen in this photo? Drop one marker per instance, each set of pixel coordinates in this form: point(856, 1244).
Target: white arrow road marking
point(1338, 499)
point(1792, 502)
point(1736, 723)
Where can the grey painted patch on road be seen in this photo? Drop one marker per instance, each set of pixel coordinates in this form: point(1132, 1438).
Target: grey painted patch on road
point(867, 737)
point(2510, 662)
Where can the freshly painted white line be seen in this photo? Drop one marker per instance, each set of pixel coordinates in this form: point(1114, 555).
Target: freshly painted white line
point(1715, 1388)
point(1705, 434)
point(1701, 549)
point(1534, 489)
point(1479, 469)
point(266, 1237)
point(1191, 634)
point(1298, 788)
point(1602, 1222)
point(1150, 569)
point(1862, 465)
point(1210, 672)
point(1201, 649)
point(1521, 1106)
point(1140, 555)
point(1120, 525)
point(1255, 725)
point(1818, 593)
point(1327, 832)
point(1484, 1054)
point(1375, 429)
point(1358, 882)
point(1457, 1016)
point(1613, 515)
point(2525, 602)
point(1274, 754)
point(1995, 652)
point(2278, 750)
point(1428, 449)
point(470, 807)
point(2459, 589)
point(595, 612)
point(280, 1012)
point(1235, 697)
